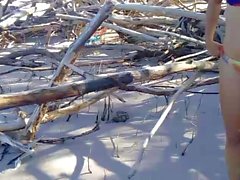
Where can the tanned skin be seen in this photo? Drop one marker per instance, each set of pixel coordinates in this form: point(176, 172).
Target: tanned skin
point(229, 81)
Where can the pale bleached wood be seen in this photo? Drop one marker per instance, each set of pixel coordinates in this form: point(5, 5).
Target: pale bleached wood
point(129, 21)
point(1, 10)
point(12, 125)
point(16, 15)
point(27, 150)
point(6, 139)
point(157, 32)
point(76, 107)
point(166, 11)
point(162, 118)
point(189, 56)
point(158, 72)
point(78, 45)
point(124, 30)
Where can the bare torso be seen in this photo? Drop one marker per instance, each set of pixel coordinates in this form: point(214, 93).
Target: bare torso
point(232, 34)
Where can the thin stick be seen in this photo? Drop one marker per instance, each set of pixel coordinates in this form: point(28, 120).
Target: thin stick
point(88, 160)
point(189, 56)
point(160, 122)
point(157, 32)
point(8, 140)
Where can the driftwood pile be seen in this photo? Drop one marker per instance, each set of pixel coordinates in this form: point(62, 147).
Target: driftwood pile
point(158, 38)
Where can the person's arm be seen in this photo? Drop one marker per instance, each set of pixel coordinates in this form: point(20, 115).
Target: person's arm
point(212, 15)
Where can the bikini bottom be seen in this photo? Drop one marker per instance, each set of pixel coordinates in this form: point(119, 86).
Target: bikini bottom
point(233, 62)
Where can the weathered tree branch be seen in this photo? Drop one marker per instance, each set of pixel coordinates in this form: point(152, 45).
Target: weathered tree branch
point(48, 94)
point(71, 55)
point(124, 30)
point(166, 11)
point(76, 107)
point(11, 58)
point(167, 91)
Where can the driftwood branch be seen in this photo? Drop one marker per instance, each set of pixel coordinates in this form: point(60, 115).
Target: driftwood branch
point(126, 20)
point(71, 55)
point(76, 107)
point(27, 150)
point(6, 139)
point(156, 32)
point(11, 58)
point(168, 91)
point(166, 11)
point(45, 95)
point(72, 137)
point(16, 15)
point(12, 125)
point(48, 94)
point(133, 33)
point(164, 115)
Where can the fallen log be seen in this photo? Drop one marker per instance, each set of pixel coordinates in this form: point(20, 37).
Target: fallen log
point(39, 96)
point(126, 21)
point(76, 107)
point(104, 82)
point(158, 72)
point(166, 11)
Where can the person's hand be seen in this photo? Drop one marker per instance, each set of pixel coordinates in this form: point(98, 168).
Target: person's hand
point(214, 48)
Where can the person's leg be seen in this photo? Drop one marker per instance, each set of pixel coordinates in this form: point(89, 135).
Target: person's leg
point(230, 107)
